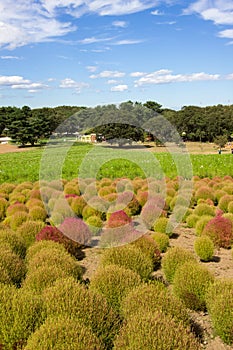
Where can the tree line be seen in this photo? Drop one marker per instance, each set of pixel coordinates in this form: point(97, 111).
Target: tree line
point(128, 120)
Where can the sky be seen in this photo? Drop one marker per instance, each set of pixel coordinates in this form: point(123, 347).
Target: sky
point(89, 53)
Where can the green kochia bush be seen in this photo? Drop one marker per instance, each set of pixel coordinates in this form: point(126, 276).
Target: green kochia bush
point(219, 300)
point(21, 313)
point(148, 247)
point(28, 231)
point(162, 240)
point(114, 282)
point(191, 220)
point(129, 257)
point(151, 298)
point(174, 258)
point(62, 333)
point(201, 224)
point(71, 298)
point(204, 248)
point(14, 240)
point(190, 284)
point(153, 331)
point(12, 265)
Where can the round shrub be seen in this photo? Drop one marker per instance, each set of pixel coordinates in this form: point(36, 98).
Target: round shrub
point(174, 258)
point(179, 201)
point(43, 244)
point(191, 220)
point(163, 225)
point(54, 257)
point(67, 296)
point(224, 202)
point(142, 197)
point(148, 247)
point(17, 219)
point(230, 207)
point(90, 211)
point(16, 207)
point(190, 284)
point(201, 224)
point(7, 187)
point(62, 333)
point(38, 213)
point(12, 264)
point(162, 240)
point(151, 298)
point(17, 198)
point(34, 202)
point(204, 209)
point(129, 257)
point(28, 231)
point(95, 224)
point(219, 302)
point(117, 219)
point(21, 314)
point(114, 282)
point(204, 192)
point(14, 240)
point(77, 205)
point(220, 231)
point(76, 230)
point(228, 216)
point(71, 188)
point(153, 331)
point(204, 248)
point(150, 213)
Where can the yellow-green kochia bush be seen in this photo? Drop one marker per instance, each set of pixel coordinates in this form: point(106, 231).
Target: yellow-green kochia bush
point(190, 284)
point(13, 239)
point(21, 313)
point(114, 282)
point(152, 298)
point(162, 240)
point(69, 297)
point(129, 257)
point(12, 265)
point(153, 331)
point(173, 258)
point(63, 333)
point(28, 231)
point(219, 300)
point(204, 248)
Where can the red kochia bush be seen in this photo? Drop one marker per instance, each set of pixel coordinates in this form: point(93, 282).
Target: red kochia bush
point(220, 230)
point(51, 233)
point(76, 229)
point(118, 218)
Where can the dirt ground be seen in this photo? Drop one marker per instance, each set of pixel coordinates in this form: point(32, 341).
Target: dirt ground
point(221, 266)
point(192, 147)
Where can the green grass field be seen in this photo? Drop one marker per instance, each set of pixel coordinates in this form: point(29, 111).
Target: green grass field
point(87, 161)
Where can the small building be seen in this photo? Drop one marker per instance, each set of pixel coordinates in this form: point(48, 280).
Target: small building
point(90, 138)
point(4, 140)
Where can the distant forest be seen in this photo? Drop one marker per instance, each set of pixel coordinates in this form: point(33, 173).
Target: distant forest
point(135, 120)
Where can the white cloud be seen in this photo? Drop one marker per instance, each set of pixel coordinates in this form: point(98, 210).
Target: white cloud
point(218, 11)
point(10, 58)
point(165, 76)
point(18, 82)
point(91, 69)
point(69, 83)
point(112, 81)
point(156, 13)
point(108, 74)
point(228, 33)
point(119, 88)
point(120, 24)
point(29, 86)
point(93, 40)
point(137, 74)
point(127, 42)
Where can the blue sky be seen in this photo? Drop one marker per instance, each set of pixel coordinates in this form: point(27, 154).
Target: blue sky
point(74, 52)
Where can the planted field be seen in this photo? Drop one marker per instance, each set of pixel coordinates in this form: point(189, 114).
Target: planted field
point(131, 162)
point(46, 297)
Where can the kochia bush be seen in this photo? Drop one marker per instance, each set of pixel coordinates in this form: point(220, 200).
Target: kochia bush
point(220, 230)
point(204, 248)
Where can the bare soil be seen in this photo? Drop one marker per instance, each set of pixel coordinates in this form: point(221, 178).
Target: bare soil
point(221, 266)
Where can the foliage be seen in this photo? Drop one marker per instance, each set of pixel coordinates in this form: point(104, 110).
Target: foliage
point(191, 220)
point(68, 297)
point(220, 231)
point(162, 241)
point(190, 284)
point(204, 248)
point(129, 257)
point(12, 264)
point(201, 224)
point(148, 247)
point(204, 209)
point(61, 333)
point(51, 233)
point(114, 282)
point(153, 331)
point(163, 225)
point(174, 258)
point(29, 230)
point(76, 230)
point(151, 298)
point(219, 305)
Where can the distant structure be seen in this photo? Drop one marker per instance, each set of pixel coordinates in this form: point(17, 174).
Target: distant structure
point(90, 138)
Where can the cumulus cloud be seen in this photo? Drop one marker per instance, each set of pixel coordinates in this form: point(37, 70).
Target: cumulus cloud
point(218, 11)
point(137, 74)
point(120, 24)
point(69, 83)
point(108, 74)
point(165, 76)
point(18, 82)
point(119, 88)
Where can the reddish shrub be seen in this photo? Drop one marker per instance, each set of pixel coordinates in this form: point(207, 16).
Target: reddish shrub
point(51, 233)
point(117, 219)
point(220, 230)
point(76, 230)
point(204, 192)
point(16, 207)
point(142, 197)
point(224, 201)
